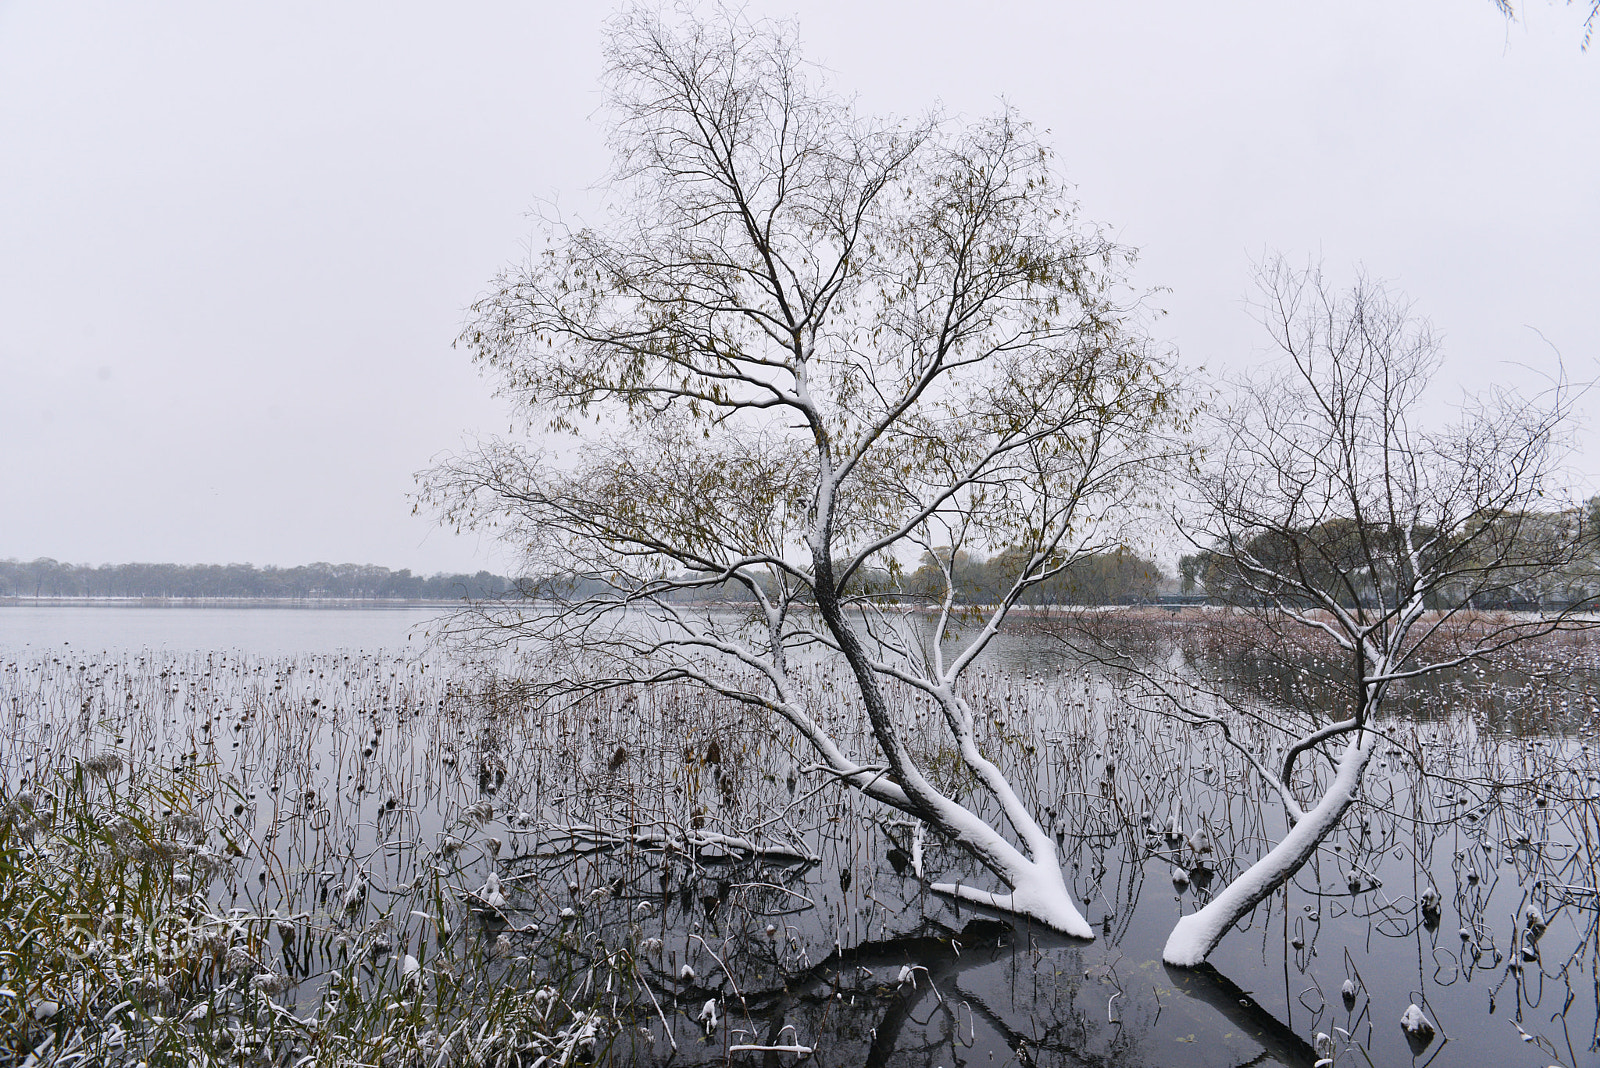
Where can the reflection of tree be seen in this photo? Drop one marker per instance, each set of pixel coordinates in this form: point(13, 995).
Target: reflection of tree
point(856, 993)
point(1211, 987)
point(848, 981)
point(936, 960)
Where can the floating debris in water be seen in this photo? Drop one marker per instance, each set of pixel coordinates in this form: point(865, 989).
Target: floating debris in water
point(1417, 1027)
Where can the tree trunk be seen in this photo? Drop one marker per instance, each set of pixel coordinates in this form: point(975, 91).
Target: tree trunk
point(1038, 891)
point(1197, 934)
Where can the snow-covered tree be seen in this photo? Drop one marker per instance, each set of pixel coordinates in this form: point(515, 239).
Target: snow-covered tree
point(1332, 509)
point(807, 349)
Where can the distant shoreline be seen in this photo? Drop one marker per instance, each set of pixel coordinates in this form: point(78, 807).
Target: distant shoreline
point(225, 602)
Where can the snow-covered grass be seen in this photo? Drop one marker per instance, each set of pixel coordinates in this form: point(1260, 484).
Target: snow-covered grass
point(167, 903)
point(117, 952)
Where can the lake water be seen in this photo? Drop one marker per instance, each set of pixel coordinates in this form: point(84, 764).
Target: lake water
point(342, 765)
point(261, 630)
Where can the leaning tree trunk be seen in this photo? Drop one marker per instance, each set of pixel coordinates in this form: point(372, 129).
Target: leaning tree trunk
point(1198, 933)
point(1038, 888)
point(1038, 892)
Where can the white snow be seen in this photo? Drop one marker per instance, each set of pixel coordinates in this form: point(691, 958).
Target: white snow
point(1413, 1022)
point(1035, 894)
point(1197, 934)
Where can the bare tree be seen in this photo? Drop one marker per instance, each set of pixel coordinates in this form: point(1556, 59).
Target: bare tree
point(1328, 510)
point(807, 350)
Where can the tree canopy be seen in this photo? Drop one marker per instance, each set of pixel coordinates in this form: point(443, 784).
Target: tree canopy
point(809, 346)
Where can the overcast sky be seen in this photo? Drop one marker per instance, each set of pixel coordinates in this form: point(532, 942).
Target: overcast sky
point(236, 241)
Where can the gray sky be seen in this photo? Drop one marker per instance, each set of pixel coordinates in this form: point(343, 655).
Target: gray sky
point(236, 241)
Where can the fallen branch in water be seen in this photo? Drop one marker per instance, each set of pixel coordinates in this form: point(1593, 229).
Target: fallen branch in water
point(676, 839)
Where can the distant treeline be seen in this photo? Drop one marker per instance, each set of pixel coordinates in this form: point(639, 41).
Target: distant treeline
point(1116, 576)
point(50, 578)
